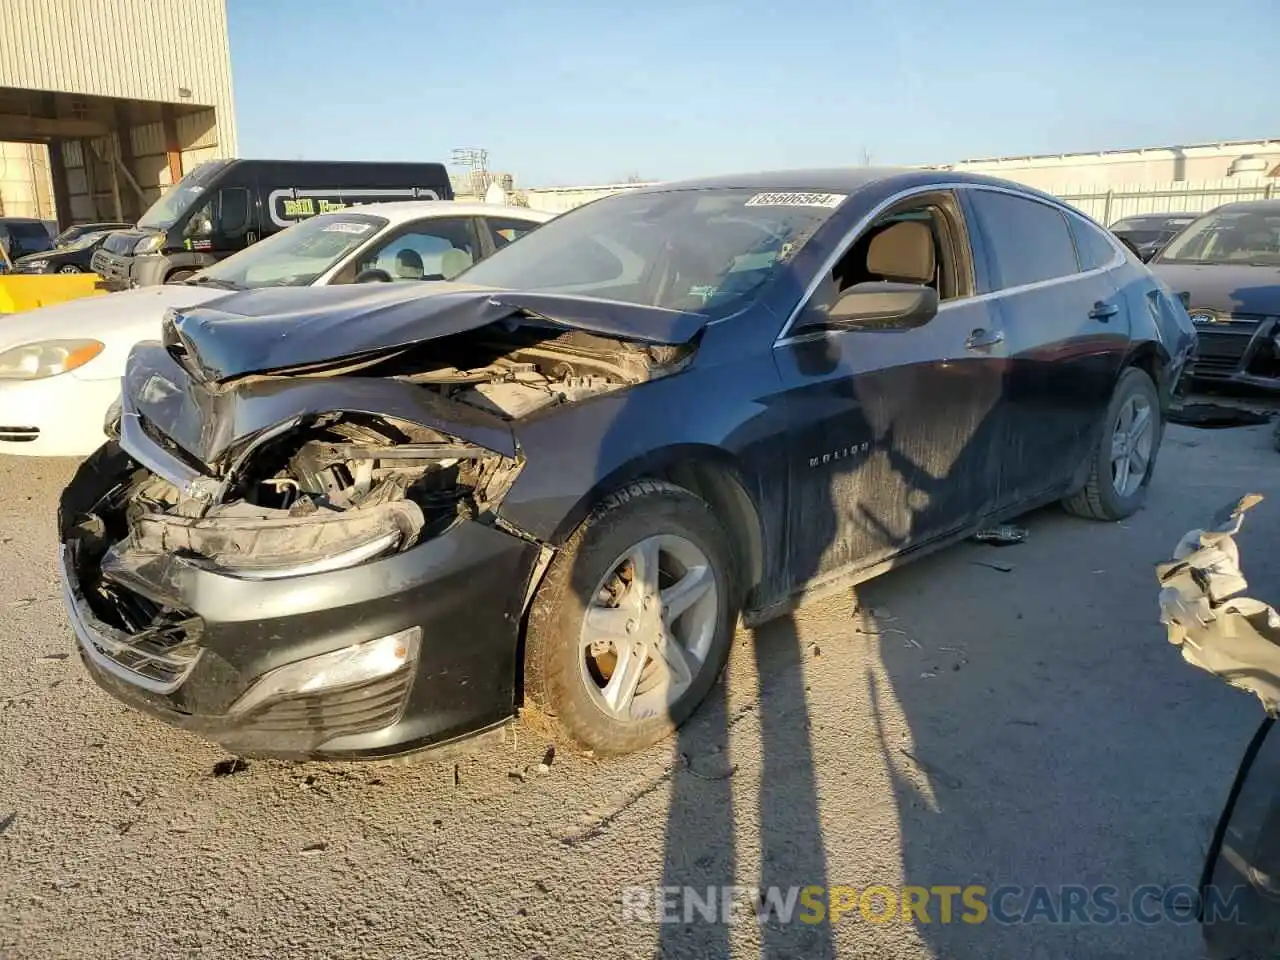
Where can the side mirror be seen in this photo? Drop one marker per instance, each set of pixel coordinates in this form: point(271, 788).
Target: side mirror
point(373, 275)
point(880, 305)
point(1185, 298)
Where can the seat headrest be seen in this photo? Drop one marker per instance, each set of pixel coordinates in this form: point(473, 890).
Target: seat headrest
point(453, 262)
point(903, 253)
point(409, 265)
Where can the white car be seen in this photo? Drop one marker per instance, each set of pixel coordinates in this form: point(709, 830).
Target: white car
point(60, 366)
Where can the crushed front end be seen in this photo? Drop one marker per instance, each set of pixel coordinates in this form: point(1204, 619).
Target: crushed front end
point(330, 586)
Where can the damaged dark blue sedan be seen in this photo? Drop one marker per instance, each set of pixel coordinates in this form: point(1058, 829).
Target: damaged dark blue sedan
point(355, 522)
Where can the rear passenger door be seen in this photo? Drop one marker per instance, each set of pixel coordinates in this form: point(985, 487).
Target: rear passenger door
point(1065, 335)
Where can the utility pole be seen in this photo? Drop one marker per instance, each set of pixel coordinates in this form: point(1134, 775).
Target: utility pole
point(476, 161)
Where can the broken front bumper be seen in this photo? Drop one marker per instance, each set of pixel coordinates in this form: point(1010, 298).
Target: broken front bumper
point(459, 595)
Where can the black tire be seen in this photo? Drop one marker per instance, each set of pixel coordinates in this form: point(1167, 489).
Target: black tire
point(554, 686)
point(1098, 499)
point(68, 268)
point(179, 275)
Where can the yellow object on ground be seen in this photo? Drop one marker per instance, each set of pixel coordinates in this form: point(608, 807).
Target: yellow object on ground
point(23, 291)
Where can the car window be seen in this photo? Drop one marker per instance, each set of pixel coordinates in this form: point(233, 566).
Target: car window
point(1242, 236)
point(1092, 245)
point(866, 259)
point(1026, 241)
point(504, 230)
point(711, 251)
point(31, 237)
point(296, 256)
point(437, 249)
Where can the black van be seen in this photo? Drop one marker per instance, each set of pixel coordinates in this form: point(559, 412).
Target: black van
point(224, 205)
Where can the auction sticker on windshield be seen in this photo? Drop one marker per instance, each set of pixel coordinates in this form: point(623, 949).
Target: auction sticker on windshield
point(341, 227)
point(829, 200)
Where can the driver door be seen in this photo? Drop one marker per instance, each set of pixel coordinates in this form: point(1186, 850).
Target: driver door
point(893, 437)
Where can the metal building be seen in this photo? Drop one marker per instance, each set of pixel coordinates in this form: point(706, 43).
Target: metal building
point(119, 98)
point(1108, 169)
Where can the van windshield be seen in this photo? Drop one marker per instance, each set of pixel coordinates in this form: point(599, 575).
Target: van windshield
point(295, 257)
point(166, 211)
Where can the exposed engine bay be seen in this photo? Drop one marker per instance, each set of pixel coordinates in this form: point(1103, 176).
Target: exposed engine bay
point(525, 370)
point(338, 489)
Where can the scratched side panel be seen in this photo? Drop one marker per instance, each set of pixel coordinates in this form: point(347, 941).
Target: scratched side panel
point(1063, 368)
point(896, 438)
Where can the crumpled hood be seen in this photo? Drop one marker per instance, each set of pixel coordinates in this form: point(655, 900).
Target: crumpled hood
point(208, 426)
point(1225, 288)
point(276, 329)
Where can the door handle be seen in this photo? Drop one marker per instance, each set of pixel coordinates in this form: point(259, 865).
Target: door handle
point(982, 339)
point(1103, 311)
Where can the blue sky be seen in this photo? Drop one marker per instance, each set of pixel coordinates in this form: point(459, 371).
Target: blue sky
point(575, 93)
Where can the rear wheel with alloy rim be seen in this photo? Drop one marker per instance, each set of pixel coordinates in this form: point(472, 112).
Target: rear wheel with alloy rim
point(632, 624)
point(1125, 457)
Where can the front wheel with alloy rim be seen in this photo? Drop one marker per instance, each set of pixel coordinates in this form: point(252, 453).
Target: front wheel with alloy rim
point(68, 268)
point(1125, 458)
point(633, 621)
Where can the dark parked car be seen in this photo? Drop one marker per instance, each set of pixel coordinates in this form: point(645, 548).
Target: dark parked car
point(1228, 261)
point(71, 257)
point(20, 236)
point(356, 521)
point(1147, 233)
point(75, 232)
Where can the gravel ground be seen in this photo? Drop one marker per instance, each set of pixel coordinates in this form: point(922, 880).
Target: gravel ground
point(1028, 727)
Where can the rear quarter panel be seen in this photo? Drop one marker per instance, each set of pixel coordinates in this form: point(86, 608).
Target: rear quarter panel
point(1159, 324)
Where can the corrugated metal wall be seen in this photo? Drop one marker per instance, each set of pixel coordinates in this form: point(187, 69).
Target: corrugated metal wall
point(134, 49)
point(26, 189)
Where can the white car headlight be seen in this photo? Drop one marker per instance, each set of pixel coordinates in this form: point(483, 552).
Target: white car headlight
point(47, 358)
point(149, 244)
point(347, 667)
point(35, 266)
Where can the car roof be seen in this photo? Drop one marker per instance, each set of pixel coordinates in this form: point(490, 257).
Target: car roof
point(401, 211)
point(1249, 206)
point(1171, 215)
point(845, 180)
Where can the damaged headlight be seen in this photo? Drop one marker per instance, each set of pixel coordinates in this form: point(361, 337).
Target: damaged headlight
point(47, 358)
point(149, 244)
point(359, 663)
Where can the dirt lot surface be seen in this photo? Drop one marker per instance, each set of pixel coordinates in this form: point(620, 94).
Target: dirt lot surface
point(972, 725)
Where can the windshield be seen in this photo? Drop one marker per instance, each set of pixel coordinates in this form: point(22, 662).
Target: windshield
point(294, 257)
point(166, 211)
point(704, 251)
point(1236, 236)
point(85, 240)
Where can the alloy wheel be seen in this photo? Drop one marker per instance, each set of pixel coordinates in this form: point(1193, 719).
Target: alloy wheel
point(649, 628)
point(1131, 444)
